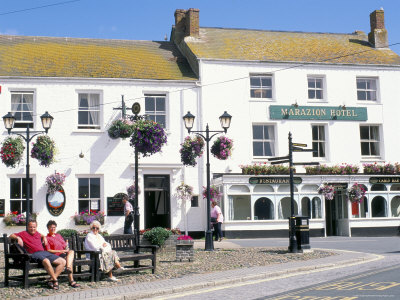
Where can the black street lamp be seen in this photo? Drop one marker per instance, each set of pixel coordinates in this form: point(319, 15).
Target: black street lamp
point(225, 120)
point(9, 121)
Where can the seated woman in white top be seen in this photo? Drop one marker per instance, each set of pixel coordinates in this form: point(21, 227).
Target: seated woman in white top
point(108, 258)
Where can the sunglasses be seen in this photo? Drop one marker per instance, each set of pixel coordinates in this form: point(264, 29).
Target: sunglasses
point(97, 228)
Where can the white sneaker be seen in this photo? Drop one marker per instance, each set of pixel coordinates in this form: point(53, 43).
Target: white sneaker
point(112, 278)
point(120, 270)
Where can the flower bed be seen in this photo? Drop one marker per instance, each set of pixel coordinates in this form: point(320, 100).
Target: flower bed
point(121, 128)
point(191, 148)
point(44, 150)
point(15, 219)
point(343, 169)
point(11, 151)
point(148, 137)
point(54, 182)
point(87, 217)
point(222, 148)
point(264, 169)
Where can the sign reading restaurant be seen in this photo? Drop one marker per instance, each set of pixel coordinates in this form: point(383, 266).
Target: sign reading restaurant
point(274, 180)
point(290, 112)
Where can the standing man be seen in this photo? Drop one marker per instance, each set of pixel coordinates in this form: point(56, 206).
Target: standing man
point(128, 212)
point(31, 240)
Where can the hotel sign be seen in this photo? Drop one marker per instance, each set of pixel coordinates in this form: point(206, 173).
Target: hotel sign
point(384, 180)
point(274, 180)
point(290, 112)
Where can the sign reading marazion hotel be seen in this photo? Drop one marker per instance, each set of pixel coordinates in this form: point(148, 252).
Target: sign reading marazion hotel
point(290, 112)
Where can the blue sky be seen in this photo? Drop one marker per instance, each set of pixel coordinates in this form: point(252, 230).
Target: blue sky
point(152, 20)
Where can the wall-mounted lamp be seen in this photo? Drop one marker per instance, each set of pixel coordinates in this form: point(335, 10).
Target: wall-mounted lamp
point(81, 155)
point(343, 107)
point(295, 104)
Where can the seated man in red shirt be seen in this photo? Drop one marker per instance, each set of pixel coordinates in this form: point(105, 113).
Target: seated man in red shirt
point(58, 246)
point(31, 240)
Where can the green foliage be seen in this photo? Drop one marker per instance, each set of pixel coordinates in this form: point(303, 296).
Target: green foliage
point(65, 233)
point(157, 235)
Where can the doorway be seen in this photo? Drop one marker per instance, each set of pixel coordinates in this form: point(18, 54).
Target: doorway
point(157, 201)
point(336, 215)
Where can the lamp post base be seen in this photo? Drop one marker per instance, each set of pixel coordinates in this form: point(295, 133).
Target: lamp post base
point(292, 238)
point(209, 241)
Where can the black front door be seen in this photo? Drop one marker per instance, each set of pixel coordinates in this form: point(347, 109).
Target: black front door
point(157, 201)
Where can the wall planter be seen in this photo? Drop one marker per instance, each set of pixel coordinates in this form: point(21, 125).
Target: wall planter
point(184, 250)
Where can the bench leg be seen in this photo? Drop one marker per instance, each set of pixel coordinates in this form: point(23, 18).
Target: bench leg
point(153, 263)
point(26, 275)
point(6, 274)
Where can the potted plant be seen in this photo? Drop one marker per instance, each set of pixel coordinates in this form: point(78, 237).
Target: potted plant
point(356, 193)
point(185, 193)
point(184, 248)
point(44, 150)
point(148, 137)
point(87, 217)
point(191, 148)
point(222, 148)
point(11, 151)
point(13, 218)
point(54, 182)
point(121, 128)
point(327, 190)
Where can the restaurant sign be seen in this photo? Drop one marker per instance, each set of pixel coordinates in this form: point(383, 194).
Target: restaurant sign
point(384, 179)
point(290, 112)
point(274, 180)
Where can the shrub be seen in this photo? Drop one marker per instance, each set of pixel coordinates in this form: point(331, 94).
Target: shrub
point(157, 235)
point(66, 233)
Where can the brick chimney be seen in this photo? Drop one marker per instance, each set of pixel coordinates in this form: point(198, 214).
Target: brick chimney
point(378, 36)
point(187, 22)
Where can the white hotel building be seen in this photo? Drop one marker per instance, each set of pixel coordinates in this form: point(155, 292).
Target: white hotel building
point(341, 92)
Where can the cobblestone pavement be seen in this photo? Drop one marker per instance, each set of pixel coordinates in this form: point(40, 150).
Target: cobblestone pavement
point(227, 265)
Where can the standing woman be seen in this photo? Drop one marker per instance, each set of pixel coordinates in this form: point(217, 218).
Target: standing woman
point(219, 219)
point(128, 212)
point(108, 257)
point(58, 246)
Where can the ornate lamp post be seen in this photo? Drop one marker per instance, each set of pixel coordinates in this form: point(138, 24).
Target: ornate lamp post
point(9, 121)
point(225, 120)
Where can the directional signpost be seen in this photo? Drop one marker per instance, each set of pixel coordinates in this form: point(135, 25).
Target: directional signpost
point(293, 147)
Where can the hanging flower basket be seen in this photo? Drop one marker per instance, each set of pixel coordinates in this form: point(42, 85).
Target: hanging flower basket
point(327, 190)
point(356, 193)
point(215, 195)
point(122, 128)
point(131, 191)
point(148, 137)
point(15, 219)
point(11, 151)
point(222, 148)
point(44, 150)
point(54, 182)
point(184, 191)
point(191, 148)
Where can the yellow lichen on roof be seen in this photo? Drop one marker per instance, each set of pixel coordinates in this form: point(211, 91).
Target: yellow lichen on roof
point(56, 57)
point(239, 44)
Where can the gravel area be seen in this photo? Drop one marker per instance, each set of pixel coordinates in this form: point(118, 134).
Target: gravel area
point(167, 267)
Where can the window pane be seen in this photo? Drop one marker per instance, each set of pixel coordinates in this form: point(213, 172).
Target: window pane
point(364, 132)
point(318, 83)
point(268, 94)
point(321, 149)
point(361, 84)
point(83, 101)
point(83, 205)
point(161, 120)
point(268, 148)
point(15, 188)
point(311, 94)
point(83, 117)
point(318, 94)
point(15, 206)
point(266, 82)
point(24, 205)
point(321, 133)
point(160, 104)
point(311, 83)
point(24, 188)
point(83, 187)
point(269, 132)
point(150, 104)
point(94, 187)
point(93, 117)
point(257, 132)
point(375, 148)
point(361, 95)
point(258, 149)
point(255, 82)
point(365, 148)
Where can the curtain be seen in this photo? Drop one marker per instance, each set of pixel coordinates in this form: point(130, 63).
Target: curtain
point(94, 107)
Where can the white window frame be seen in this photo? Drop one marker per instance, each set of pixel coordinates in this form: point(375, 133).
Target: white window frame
point(90, 127)
point(263, 140)
point(22, 199)
point(156, 113)
point(33, 112)
point(320, 141)
point(100, 200)
point(322, 89)
point(367, 91)
point(261, 87)
point(372, 140)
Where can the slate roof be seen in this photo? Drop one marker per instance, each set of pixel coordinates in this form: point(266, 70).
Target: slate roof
point(280, 46)
point(91, 58)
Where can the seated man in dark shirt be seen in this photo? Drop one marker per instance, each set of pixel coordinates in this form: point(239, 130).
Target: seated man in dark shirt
point(31, 240)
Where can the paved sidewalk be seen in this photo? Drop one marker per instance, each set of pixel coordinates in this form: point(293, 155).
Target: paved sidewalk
point(198, 281)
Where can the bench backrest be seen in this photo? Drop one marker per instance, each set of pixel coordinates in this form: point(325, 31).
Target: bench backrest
point(121, 242)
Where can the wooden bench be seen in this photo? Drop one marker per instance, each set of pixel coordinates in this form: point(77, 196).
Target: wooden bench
point(128, 252)
point(14, 260)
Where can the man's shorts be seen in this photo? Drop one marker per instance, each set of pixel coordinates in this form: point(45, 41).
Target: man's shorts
point(39, 256)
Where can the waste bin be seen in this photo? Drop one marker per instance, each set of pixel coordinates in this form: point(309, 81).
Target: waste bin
point(302, 229)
